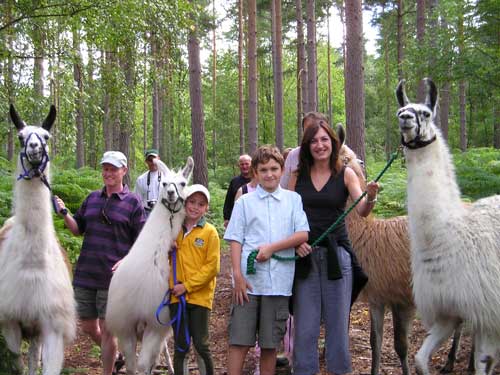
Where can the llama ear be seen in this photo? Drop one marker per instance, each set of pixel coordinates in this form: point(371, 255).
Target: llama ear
point(188, 169)
point(401, 94)
point(51, 117)
point(16, 119)
point(432, 94)
point(340, 132)
point(162, 166)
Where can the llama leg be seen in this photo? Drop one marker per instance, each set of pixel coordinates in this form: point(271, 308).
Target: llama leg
point(151, 344)
point(376, 334)
point(402, 318)
point(452, 355)
point(168, 358)
point(34, 355)
point(440, 331)
point(485, 354)
point(12, 333)
point(52, 352)
point(128, 346)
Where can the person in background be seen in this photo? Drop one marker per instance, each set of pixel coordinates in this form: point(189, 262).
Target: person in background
point(323, 287)
point(110, 220)
point(286, 151)
point(147, 184)
point(269, 220)
point(243, 178)
point(292, 159)
point(197, 262)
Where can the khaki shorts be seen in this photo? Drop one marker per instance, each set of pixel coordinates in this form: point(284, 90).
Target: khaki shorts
point(263, 317)
point(91, 303)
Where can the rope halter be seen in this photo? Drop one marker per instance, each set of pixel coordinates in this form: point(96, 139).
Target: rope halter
point(36, 168)
point(173, 207)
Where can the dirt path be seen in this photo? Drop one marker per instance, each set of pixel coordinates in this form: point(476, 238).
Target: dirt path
point(83, 358)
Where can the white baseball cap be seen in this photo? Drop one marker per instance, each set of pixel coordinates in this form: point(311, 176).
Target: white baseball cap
point(116, 158)
point(197, 188)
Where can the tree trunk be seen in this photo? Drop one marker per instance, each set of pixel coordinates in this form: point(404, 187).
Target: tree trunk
point(199, 148)
point(354, 83)
point(421, 45)
point(277, 72)
point(302, 102)
point(463, 119)
point(79, 105)
point(329, 70)
point(145, 99)
point(9, 81)
point(400, 39)
point(241, 95)
point(108, 120)
point(388, 98)
point(252, 77)
point(496, 125)
point(155, 52)
point(312, 69)
point(444, 108)
point(38, 66)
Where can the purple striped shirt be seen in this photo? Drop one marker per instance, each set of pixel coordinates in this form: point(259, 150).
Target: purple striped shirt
point(109, 226)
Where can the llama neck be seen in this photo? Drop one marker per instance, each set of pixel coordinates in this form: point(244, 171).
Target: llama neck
point(432, 185)
point(32, 202)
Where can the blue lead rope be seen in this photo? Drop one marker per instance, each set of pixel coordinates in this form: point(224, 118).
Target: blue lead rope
point(181, 310)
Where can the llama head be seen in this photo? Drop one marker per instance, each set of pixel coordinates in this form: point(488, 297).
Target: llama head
point(34, 139)
point(349, 157)
point(416, 119)
point(172, 185)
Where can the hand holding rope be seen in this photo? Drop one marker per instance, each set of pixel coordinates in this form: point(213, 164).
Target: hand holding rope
point(253, 254)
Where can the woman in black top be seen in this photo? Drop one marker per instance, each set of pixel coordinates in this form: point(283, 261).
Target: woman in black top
point(323, 275)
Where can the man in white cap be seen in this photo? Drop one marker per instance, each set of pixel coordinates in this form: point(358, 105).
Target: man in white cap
point(110, 220)
point(147, 184)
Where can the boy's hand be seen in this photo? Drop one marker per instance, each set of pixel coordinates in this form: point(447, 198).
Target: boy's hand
point(264, 254)
point(241, 286)
point(178, 290)
point(303, 250)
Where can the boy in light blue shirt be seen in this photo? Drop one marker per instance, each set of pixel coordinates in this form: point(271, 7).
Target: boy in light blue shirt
point(270, 220)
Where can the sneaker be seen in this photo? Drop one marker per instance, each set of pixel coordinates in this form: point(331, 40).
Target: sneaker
point(119, 363)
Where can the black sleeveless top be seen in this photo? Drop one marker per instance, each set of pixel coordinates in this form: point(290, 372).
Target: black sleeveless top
point(322, 209)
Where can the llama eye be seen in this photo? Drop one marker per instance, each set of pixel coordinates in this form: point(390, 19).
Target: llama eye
point(46, 136)
point(427, 114)
point(183, 184)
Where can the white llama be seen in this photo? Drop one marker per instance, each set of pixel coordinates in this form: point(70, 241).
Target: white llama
point(455, 249)
point(36, 296)
point(141, 281)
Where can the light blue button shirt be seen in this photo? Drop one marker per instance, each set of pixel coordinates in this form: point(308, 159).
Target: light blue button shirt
point(260, 218)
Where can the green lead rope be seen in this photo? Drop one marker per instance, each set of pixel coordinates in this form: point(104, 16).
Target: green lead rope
point(253, 254)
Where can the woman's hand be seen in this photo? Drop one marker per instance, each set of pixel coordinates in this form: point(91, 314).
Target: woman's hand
point(240, 288)
point(372, 190)
point(178, 290)
point(303, 250)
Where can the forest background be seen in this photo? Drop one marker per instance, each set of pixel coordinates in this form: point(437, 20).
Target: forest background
point(127, 75)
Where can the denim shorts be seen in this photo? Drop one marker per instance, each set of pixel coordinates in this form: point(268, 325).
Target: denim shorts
point(264, 317)
point(91, 303)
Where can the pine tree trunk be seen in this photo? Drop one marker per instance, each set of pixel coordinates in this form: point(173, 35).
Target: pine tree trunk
point(9, 82)
point(444, 108)
point(354, 83)
point(156, 91)
point(302, 102)
point(199, 149)
point(277, 72)
point(421, 44)
point(329, 70)
point(79, 105)
point(312, 69)
point(252, 77)
point(241, 95)
point(400, 39)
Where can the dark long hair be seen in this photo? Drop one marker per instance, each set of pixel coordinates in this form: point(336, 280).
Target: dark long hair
point(306, 159)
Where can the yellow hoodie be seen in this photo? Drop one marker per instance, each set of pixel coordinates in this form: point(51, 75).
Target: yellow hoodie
point(197, 263)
